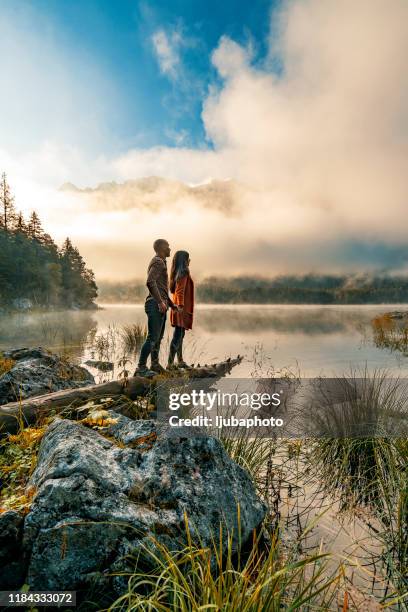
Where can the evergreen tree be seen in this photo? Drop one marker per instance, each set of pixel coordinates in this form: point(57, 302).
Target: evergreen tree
point(8, 213)
point(79, 287)
point(31, 266)
point(34, 226)
point(21, 226)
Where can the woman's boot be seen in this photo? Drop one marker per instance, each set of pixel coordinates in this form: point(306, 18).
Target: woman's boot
point(172, 354)
point(181, 362)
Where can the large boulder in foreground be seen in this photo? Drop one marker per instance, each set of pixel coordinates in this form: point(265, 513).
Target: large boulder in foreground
point(37, 371)
point(11, 553)
point(99, 501)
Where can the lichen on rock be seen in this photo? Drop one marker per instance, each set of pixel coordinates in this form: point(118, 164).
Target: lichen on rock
point(98, 504)
point(36, 371)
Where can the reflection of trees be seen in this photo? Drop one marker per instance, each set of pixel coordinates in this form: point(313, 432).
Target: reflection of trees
point(57, 331)
point(285, 320)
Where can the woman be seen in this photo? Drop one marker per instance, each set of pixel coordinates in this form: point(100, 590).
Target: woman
point(182, 288)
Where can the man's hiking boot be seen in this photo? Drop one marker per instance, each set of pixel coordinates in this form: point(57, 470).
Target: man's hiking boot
point(144, 371)
point(157, 368)
point(183, 365)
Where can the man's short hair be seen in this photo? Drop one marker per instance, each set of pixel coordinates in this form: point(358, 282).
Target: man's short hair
point(159, 243)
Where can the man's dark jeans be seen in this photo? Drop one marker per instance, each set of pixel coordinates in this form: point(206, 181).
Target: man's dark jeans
point(156, 322)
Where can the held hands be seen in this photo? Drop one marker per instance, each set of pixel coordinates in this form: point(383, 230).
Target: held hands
point(177, 308)
point(173, 307)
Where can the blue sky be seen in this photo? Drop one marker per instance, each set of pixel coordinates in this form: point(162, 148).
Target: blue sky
point(303, 102)
point(109, 46)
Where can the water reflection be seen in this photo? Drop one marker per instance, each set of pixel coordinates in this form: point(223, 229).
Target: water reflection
point(283, 319)
point(58, 331)
point(312, 339)
point(320, 339)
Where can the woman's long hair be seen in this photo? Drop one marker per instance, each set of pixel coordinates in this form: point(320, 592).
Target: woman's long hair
point(179, 268)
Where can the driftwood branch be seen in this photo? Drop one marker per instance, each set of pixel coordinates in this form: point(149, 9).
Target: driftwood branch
point(28, 411)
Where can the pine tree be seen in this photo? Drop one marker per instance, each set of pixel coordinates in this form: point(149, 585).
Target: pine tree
point(21, 225)
point(35, 229)
point(8, 213)
point(79, 287)
point(32, 267)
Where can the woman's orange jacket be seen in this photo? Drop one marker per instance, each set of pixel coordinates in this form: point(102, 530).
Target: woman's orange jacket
point(183, 296)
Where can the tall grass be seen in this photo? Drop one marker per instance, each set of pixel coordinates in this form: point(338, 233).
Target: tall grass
point(393, 491)
point(349, 463)
point(250, 452)
point(133, 336)
point(372, 471)
point(216, 578)
point(105, 345)
point(390, 333)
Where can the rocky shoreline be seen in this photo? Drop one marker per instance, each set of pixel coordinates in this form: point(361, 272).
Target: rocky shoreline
point(36, 371)
point(104, 491)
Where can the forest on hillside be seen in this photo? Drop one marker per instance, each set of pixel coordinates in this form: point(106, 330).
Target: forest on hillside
point(306, 289)
point(34, 272)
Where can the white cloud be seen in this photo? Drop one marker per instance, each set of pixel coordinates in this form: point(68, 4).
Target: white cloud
point(323, 146)
point(230, 58)
point(166, 47)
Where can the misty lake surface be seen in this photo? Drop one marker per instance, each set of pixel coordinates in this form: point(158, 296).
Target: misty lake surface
point(311, 340)
point(307, 340)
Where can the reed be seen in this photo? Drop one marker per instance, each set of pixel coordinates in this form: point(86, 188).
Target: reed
point(372, 472)
point(133, 336)
point(199, 577)
point(390, 333)
point(359, 468)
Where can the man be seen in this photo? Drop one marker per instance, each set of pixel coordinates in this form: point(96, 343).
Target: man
point(156, 305)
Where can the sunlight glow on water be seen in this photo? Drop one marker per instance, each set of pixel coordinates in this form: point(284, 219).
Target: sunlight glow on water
point(308, 340)
point(313, 340)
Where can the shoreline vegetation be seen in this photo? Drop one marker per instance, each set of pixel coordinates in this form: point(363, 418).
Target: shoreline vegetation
point(285, 565)
point(307, 289)
point(34, 273)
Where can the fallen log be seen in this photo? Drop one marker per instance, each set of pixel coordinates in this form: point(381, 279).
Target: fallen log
point(28, 411)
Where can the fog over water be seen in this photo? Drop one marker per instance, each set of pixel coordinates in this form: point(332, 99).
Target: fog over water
point(312, 340)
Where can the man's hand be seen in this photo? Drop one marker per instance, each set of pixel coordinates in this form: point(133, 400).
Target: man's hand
point(162, 307)
point(180, 308)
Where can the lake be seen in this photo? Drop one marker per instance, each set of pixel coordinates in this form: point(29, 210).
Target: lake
point(311, 340)
point(307, 340)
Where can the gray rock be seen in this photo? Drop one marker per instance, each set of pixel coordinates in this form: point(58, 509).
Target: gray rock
point(132, 433)
point(11, 552)
point(37, 371)
point(98, 503)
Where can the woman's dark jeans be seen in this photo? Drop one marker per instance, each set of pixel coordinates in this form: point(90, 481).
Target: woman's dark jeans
point(156, 322)
point(176, 345)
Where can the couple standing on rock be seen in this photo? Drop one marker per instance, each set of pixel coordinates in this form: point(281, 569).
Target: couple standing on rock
point(158, 302)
